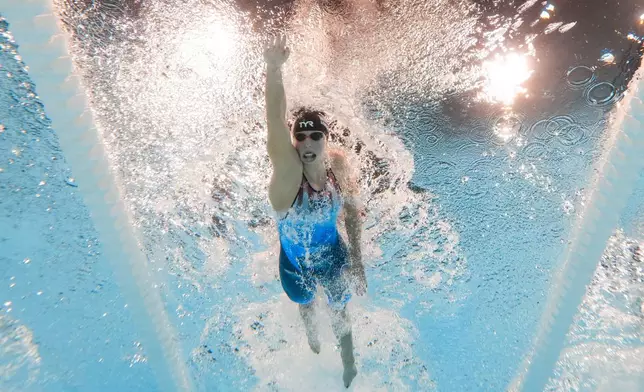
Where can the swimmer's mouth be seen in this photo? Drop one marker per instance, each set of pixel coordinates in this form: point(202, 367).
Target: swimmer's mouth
point(309, 156)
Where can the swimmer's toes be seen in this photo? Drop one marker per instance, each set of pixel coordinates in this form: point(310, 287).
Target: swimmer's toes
point(349, 375)
point(315, 345)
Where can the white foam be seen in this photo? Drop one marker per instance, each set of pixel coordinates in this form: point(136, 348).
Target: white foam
point(277, 349)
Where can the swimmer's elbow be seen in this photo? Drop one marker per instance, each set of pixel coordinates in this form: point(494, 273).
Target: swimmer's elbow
point(352, 201)
point(353, 214)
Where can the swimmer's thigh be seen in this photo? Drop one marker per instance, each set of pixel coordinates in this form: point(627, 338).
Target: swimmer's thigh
point(298, 285)
point(334, 279)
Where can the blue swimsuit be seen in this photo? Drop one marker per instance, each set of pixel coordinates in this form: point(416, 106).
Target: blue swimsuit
point(312, 250)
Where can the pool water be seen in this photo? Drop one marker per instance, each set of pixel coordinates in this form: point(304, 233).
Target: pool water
point(480, 134)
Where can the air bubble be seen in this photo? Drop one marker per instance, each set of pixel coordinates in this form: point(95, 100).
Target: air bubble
point(580, 76)
point(535, 150)
point(601, 94)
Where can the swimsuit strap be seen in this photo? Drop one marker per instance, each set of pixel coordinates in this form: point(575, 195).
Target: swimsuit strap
point(306, 186)
point(334, 180)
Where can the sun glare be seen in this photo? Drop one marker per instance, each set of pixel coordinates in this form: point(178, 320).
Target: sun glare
point(607, 58)
point(504, 77)
point(207, 50)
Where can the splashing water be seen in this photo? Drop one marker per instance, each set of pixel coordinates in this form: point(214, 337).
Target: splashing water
point(606, 339)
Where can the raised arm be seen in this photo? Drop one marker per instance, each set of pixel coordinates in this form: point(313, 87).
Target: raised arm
point(287, 166)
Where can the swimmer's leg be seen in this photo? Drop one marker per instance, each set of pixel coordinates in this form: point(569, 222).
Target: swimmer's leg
point(307, 311)
point(336, 285)
point(342, 331)
point(299, 285)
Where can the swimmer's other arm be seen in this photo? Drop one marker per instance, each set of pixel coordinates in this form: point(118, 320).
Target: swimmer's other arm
point(352, 220)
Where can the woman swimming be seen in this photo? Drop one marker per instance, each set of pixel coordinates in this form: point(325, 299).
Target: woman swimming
point(310, 187)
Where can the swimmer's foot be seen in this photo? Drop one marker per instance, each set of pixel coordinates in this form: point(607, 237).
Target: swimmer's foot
point(348, 360)
point(314, 343)
point(349, 374)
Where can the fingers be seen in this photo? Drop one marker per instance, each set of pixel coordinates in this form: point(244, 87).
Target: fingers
point(270, 43)
point(275, 50)
point(278, 41)
point(281, 44)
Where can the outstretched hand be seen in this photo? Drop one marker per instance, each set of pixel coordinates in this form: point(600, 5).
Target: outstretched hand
point(276, 53)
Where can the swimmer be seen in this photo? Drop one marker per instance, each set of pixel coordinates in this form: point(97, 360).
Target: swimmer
point(310, 187)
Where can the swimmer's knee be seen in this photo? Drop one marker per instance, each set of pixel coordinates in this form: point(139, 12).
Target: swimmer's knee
point(340, 313)
point(341, 323)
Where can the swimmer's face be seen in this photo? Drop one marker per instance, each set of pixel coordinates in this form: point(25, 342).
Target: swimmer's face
point(310, 145)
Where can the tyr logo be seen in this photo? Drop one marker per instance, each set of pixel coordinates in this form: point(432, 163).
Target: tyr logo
point(306, 124)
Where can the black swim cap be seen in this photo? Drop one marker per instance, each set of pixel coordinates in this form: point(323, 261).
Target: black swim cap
point(310, 121)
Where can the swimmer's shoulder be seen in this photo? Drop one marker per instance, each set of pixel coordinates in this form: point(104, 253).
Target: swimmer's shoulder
point(338, 161)
point(341, 168)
